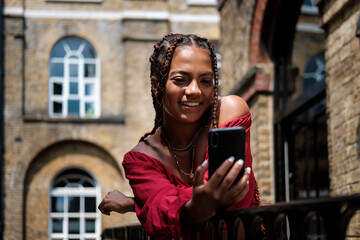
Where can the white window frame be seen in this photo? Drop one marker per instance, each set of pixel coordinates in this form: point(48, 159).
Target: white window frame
point(65, 80)
point(202, 2)
point(80, 192)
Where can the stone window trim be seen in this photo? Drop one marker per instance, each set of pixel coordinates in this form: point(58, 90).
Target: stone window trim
point(256, 80)
point(75, 1)
point(202, 2)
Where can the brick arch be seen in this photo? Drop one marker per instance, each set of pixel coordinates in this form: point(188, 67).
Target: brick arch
point(53, 35)
point(54, 159)
point(256, 54)
point(68, 146)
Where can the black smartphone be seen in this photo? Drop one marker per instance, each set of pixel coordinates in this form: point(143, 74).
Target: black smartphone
point(224, 143)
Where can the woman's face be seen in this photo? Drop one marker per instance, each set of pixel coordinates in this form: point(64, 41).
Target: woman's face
point(189, 88)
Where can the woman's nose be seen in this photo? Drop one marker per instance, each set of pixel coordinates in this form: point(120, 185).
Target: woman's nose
point(192, 88)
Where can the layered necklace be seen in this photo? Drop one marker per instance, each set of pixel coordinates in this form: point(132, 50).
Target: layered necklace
point(182, 152)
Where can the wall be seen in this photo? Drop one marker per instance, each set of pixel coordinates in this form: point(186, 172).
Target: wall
point(38, 147)
point(343, 100)
point(249, 76)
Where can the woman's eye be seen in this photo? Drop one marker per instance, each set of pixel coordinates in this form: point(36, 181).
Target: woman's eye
point(207, 81)
point(179, 80)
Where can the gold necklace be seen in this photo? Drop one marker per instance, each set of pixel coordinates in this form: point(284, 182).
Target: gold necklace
point(186, 149)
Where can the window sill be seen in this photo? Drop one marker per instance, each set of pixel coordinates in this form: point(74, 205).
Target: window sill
point(76, 1)
point(102, 120)
point(202, 2)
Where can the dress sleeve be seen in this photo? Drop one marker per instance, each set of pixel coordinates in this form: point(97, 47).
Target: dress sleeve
point(245, 122)
point(158, 201)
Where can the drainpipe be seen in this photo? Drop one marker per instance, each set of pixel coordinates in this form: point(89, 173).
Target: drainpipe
point(2, 48)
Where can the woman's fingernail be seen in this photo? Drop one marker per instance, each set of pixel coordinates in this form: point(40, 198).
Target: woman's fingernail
point(240, 162)
point(204, 163)
point(247, 182)
point(248, 170)
point(231, 159)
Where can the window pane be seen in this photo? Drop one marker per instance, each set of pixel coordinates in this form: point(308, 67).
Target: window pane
point(73, 88)
point(57, 89)
point(89, 89)
point(74, 225)
point(57, 225)
point(308, 3)
point(315, 71)
point(89, 52)
point(58, 51)
point(74, 43)
point(89, 70)
point(56, 69)
point(73, 70)
point(57, 107)
point(90, 225)
point(88, 183)
point(74, 107)
point(90, 204)
point(74, 204)
point(89, 109)
point(57, 204)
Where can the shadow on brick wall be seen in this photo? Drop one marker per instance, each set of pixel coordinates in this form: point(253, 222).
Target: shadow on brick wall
point(358, 142)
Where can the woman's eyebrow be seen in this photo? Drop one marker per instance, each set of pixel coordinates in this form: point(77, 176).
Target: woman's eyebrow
point(179, 71)
point(186, 73)
point(207, 73)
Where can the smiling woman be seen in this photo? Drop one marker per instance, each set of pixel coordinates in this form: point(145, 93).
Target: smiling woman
point(189, 90)
point(169, 195)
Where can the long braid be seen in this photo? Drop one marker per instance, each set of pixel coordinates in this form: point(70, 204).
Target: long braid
point(161, 73)
point(214, 104)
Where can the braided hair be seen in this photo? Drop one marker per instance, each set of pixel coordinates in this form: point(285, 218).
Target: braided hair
point(160, 62)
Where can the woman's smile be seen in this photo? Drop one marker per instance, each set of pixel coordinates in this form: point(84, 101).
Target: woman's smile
point(190, 104)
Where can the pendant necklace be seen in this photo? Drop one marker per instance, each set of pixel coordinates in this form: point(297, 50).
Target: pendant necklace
point(182, 151)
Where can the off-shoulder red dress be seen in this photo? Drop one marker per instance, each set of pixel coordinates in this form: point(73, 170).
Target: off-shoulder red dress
point(160, 195)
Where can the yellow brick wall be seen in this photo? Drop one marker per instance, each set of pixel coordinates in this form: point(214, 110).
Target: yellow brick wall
point(343, 100)
point(36, 146)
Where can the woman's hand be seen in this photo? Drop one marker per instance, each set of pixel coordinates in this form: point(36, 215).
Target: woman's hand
point(218, 193)
point(117, 202)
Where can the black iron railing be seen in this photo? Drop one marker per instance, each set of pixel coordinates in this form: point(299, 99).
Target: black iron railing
point(135, 232)
point(325, 218)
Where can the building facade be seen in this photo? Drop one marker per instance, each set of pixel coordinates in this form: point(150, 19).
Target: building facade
point(296, 63)
point(77, 98)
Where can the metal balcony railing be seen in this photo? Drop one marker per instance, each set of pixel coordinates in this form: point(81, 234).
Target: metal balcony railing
point(324, 218)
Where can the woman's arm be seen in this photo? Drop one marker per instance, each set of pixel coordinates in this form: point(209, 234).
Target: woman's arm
point(117, 202)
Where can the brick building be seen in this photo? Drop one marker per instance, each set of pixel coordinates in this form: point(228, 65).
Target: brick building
point(76, 98)
point(297, 65)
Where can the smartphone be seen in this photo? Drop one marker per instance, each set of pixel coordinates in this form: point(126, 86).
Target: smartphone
point(224, 143)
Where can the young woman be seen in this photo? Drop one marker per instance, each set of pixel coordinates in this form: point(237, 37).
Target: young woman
point(167, 169)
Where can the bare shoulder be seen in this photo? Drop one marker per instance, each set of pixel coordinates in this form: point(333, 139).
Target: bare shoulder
point(151, 146)
point(231, 107)
point(140, 147)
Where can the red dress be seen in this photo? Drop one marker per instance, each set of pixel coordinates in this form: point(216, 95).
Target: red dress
point(160, 195)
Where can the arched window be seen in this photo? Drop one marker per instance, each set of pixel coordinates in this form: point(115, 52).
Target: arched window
point(74, 196)
point(74, 79)
point(315, 71)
